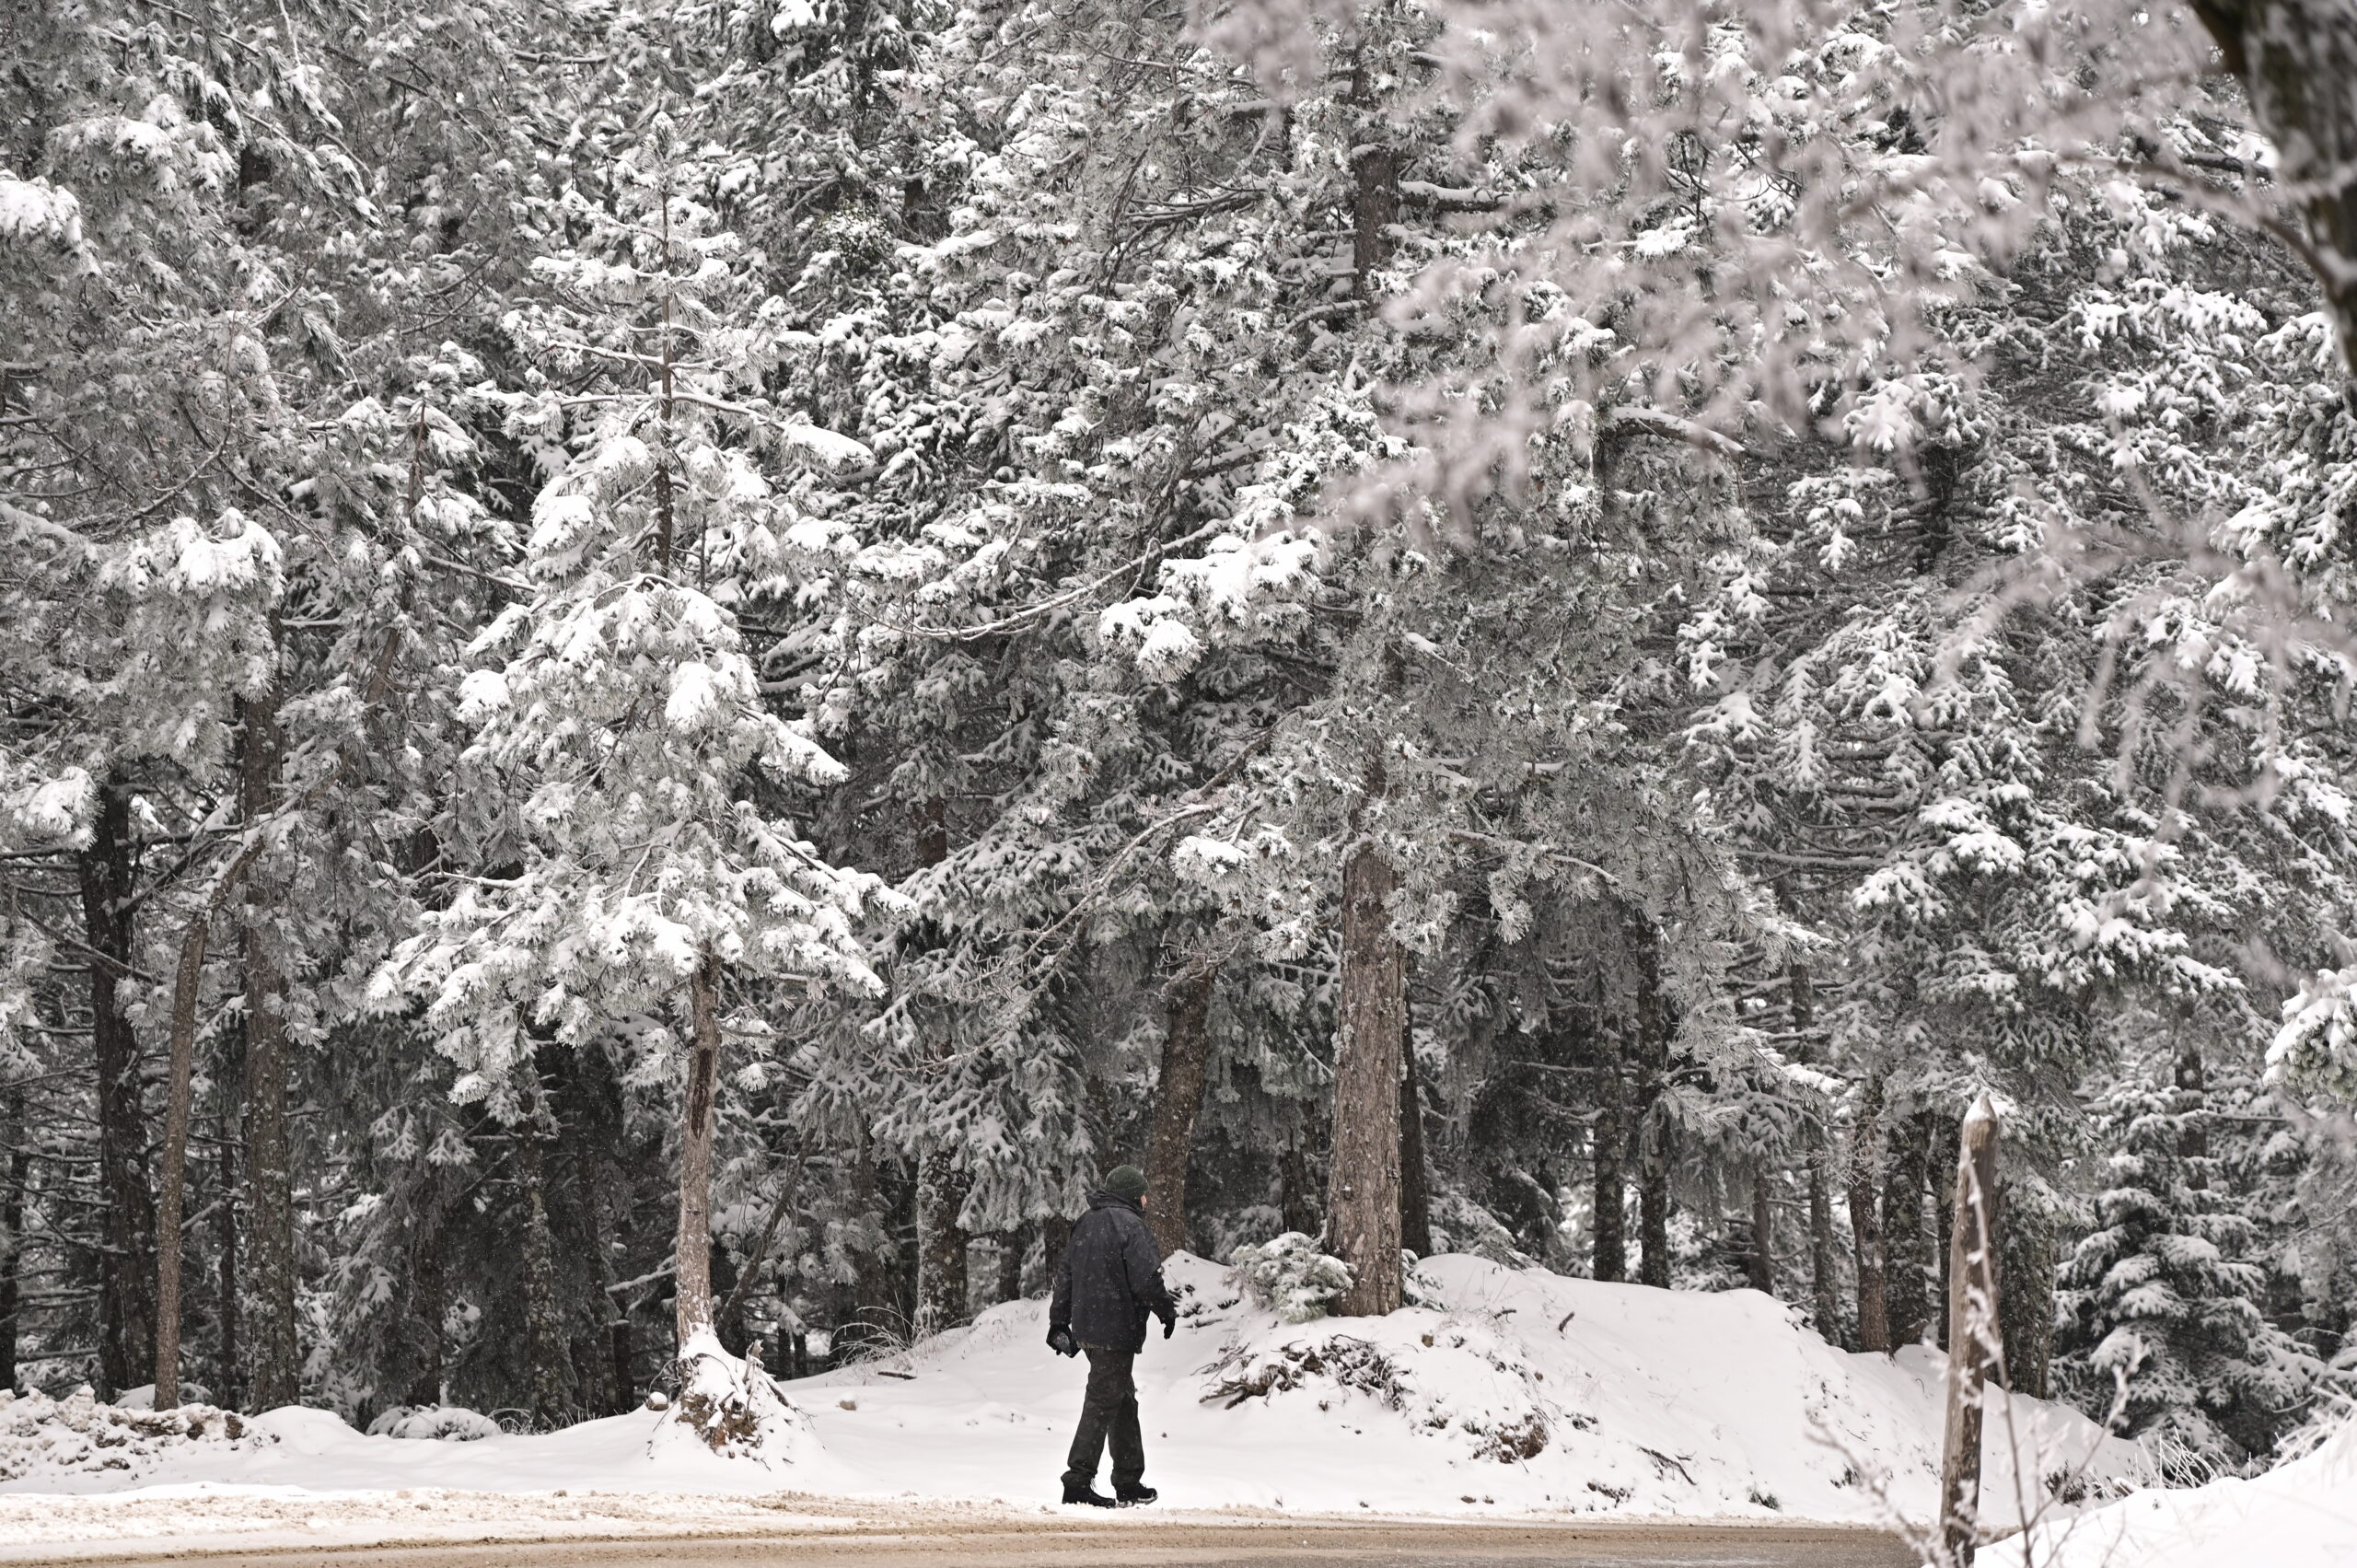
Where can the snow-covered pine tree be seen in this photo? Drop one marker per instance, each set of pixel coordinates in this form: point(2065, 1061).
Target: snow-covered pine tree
point(646, 871)
point(2162, 1305)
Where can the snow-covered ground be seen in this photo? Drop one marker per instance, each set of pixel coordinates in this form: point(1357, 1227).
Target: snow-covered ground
point(2302, 1515)
point(1514, 1393)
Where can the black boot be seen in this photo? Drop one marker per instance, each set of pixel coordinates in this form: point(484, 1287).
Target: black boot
point(1135, 1495)
point(1085, 1491)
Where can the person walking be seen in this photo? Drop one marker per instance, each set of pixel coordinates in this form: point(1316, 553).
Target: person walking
point(1110, 1283)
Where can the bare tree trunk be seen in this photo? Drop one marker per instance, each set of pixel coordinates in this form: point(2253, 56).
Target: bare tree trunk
point(941, 1255)
point(1012, 1245)
point(1940, 1138)
point(1362, 1204)
point(1652, 1133)
point(12, 1238)
point(1415, 1186)
point(1866, 1220)
point(1824, 1286)
point(269, 1164)
point(231, 1369)
point(1972, 1327)
point(1762, 1262)
point(544, 1337)
point(1904, 1240)
point(625, 1377)
point(1824, 1292)
point(2026, 1305)
point(1297, 1194)
point(1178, 1098)
point(2295, 58)
point(1609, 1138)
point(428, 1303)
point(126, 1305)
point(2193, 1098)
point(1375, 202)
point(692, 1248)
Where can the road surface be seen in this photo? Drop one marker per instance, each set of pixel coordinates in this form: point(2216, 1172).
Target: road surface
point(1056, 1544)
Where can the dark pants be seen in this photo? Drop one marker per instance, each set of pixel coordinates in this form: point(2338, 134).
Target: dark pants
point(1110, 1408)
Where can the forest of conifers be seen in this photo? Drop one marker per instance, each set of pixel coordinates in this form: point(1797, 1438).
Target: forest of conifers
point(678, 664)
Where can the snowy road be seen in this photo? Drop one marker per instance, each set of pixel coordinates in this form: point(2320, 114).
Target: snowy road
point(1176, 1544)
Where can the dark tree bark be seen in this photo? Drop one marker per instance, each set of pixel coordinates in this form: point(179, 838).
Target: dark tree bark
point(691, 1248)
point(1609, 1138)
point(1012, 1246)
point(1415, 1185)
point(126, 1277)
point(1825, 1296)
point(2193, 1100)
point(12, 1236)
point(2025, 1310)
point(1651, 1129)
point(1296, 1193)
point(1905, 1240)
point(1178, 1099)
point(1375, 202)
point(1761, 1265)
point(1941, 1134)
point(1866, 1220)
point(618, 1335)
point(1363, 1182)
point(544, 1331)
point(941, 1257)
point(428, 1300)
point(2295, 60)
point(269, 1163)
point(229, 1371)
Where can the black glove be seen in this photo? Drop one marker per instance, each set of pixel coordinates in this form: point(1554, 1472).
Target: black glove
point(1059, 1340)
point(1170, 1325)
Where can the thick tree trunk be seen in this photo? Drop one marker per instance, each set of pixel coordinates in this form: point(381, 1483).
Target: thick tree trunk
point(126, 1276)
point(1178, 1098)
point(698, 1114)
point(2295, 58)
point(1609, 1140)
point(1866, 1220)
point(1362, 1184)
point(269, 1163)
point(1762, 1261)
point(1415, 1184)
point(2026, 1307)
point(12, 1236)
point(941, 1255)
point(1904, 1237)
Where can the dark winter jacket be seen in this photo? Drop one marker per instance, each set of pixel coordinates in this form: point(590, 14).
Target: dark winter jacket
point(1112, 1278)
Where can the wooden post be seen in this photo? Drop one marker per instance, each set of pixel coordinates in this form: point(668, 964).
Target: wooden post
point(1972, 1327)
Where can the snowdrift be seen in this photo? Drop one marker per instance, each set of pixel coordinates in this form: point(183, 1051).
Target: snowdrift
point(2302, 1515)
point(1520, 1391)
point(1512, 1392)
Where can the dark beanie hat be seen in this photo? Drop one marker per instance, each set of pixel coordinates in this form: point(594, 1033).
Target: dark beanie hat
point(1126, 1181)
